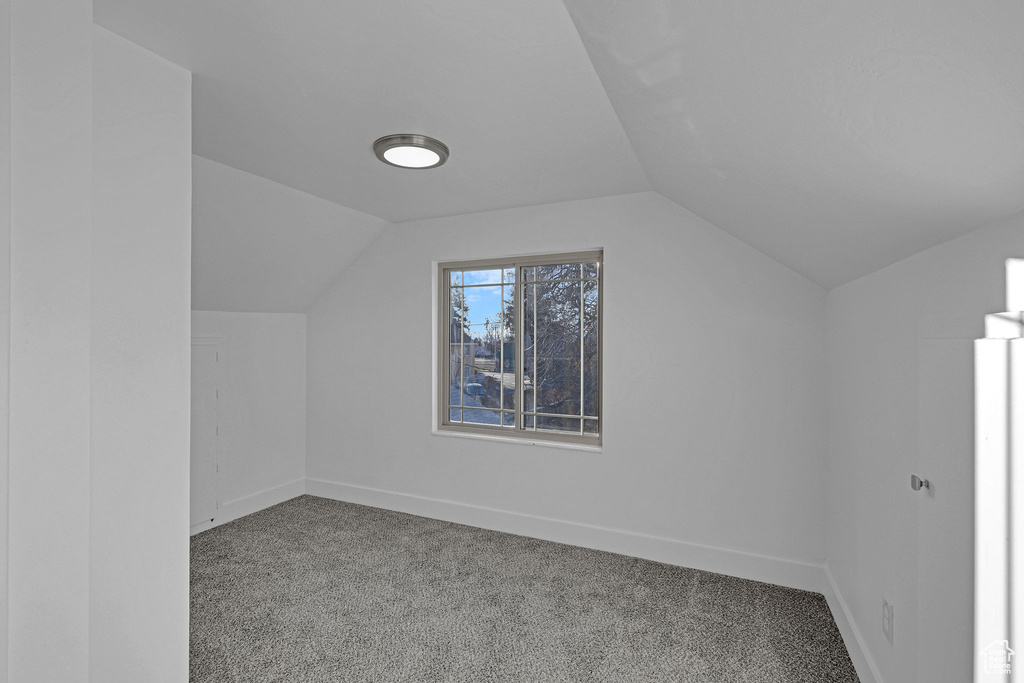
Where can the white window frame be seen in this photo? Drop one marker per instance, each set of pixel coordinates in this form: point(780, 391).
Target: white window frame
point(443, 360)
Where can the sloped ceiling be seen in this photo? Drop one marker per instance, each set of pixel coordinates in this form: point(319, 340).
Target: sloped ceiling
point(260, 246)
point(298, 91)
point(835, 137)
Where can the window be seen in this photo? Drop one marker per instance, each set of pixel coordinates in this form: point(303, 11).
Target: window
point(520, 347)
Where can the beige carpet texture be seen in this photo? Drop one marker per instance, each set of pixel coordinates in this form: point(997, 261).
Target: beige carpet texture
point(315, 590)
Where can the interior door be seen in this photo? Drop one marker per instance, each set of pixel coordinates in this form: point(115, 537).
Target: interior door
point(205, 451)
point(945, 601)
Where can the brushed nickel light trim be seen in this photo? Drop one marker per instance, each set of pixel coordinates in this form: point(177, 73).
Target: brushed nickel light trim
point(390, 142)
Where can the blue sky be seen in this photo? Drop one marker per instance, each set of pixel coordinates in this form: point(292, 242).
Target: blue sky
point(484, 302)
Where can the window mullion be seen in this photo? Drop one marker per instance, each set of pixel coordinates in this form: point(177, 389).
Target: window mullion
point(462, 349)
point(533, 339)
point(582, 334)
point(517, 307)
point(446, 349)
point(501, 351)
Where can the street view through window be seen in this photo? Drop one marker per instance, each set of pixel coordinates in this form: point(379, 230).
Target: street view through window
point(523, 347)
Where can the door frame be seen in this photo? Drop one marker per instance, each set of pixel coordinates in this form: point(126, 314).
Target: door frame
point(999, 418)
point(218, 452)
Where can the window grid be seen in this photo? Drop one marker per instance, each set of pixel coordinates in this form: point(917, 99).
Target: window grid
point(461, 286)
point(514, 275)
point(527, 281)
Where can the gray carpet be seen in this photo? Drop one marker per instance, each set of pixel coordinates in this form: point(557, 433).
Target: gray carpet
point(315, 590)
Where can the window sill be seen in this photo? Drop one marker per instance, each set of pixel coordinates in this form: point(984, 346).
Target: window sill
point(520, 441)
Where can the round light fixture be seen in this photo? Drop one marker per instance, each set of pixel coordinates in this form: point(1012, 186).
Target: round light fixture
point(411, 151)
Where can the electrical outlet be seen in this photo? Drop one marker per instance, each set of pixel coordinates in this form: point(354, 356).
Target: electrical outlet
point(887, 616)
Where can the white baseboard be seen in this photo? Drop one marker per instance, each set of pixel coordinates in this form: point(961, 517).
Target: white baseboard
point(254, 502)
point(744, 565)
point(865, 665)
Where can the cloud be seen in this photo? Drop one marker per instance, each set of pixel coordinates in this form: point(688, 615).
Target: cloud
point(482, 277)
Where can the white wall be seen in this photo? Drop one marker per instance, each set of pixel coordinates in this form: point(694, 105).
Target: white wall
point(260, 246)
point(714, 412)
point(5, 313)
point(262, 406)
point(50, 365)
point(96, 563)
point(901, 403)
point(138, 521)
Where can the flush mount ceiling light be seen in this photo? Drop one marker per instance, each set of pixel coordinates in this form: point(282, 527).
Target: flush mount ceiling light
point(411, 151)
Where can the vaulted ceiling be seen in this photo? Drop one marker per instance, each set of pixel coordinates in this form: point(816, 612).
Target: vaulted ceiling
point(835, 137)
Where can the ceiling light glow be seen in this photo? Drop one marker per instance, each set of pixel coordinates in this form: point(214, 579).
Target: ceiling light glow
point(411, 151)
point(412, 157)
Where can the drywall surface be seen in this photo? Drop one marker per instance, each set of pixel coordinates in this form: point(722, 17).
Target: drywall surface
point(142, 184)
point(714, 419)
point(260, 246)
point(5, 314)
point(99, 275)
point(821, 133)
point(263, 401)
point(51, 225)
point(901, 403)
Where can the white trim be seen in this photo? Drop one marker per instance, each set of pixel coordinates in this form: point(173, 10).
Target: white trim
point(216, 447)
point(1008, 325)
point(201, 527)
point(254, 502)
point(863, 662)
point(435, 346)
point(208, 340)
point(522, 442)
point(441, 291)
point(779, 571)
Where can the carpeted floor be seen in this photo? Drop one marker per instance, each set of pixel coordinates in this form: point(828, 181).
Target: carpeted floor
point(316, 590)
